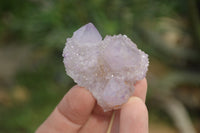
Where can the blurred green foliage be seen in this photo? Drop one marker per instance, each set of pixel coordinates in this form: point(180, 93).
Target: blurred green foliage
point(47, 23)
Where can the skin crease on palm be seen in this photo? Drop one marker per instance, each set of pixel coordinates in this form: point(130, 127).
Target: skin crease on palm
point(78, 112)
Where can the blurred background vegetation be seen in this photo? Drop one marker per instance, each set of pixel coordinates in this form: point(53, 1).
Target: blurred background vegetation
point(32, 75)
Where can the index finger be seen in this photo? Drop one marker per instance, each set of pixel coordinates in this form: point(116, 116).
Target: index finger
point(71, 113)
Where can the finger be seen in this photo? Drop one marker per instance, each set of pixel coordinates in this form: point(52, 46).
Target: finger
point(141, 89)
point(77, 105)
point(134, 117)
point(98, 121)
point(57, 123)
point(71, 113)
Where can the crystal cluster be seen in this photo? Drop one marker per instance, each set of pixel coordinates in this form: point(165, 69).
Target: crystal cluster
point(107, 68)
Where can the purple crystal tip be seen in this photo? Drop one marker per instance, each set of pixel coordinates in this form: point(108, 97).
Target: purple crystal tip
point(87, 34)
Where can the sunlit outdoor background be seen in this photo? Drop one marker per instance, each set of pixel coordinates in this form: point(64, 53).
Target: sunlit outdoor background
point(32, 74)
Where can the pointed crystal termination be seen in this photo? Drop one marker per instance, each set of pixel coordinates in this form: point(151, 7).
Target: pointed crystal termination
point(87, 33)
point(107, 68)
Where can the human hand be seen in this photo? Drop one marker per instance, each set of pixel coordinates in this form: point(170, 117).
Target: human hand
point(78, 113)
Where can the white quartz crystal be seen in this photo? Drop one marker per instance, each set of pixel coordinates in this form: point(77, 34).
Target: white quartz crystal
point(107, 68)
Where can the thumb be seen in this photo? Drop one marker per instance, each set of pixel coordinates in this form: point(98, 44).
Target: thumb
point(134, 117)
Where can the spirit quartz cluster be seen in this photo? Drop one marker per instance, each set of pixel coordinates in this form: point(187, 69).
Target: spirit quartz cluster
point(107, 68)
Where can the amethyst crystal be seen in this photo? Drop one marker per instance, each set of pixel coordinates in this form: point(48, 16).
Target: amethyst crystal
point(107, 68)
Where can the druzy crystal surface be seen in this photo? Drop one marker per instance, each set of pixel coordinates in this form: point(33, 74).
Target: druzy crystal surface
point(107, 68)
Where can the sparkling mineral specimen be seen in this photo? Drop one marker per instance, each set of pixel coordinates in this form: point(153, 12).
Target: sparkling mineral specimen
point(107, 68)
